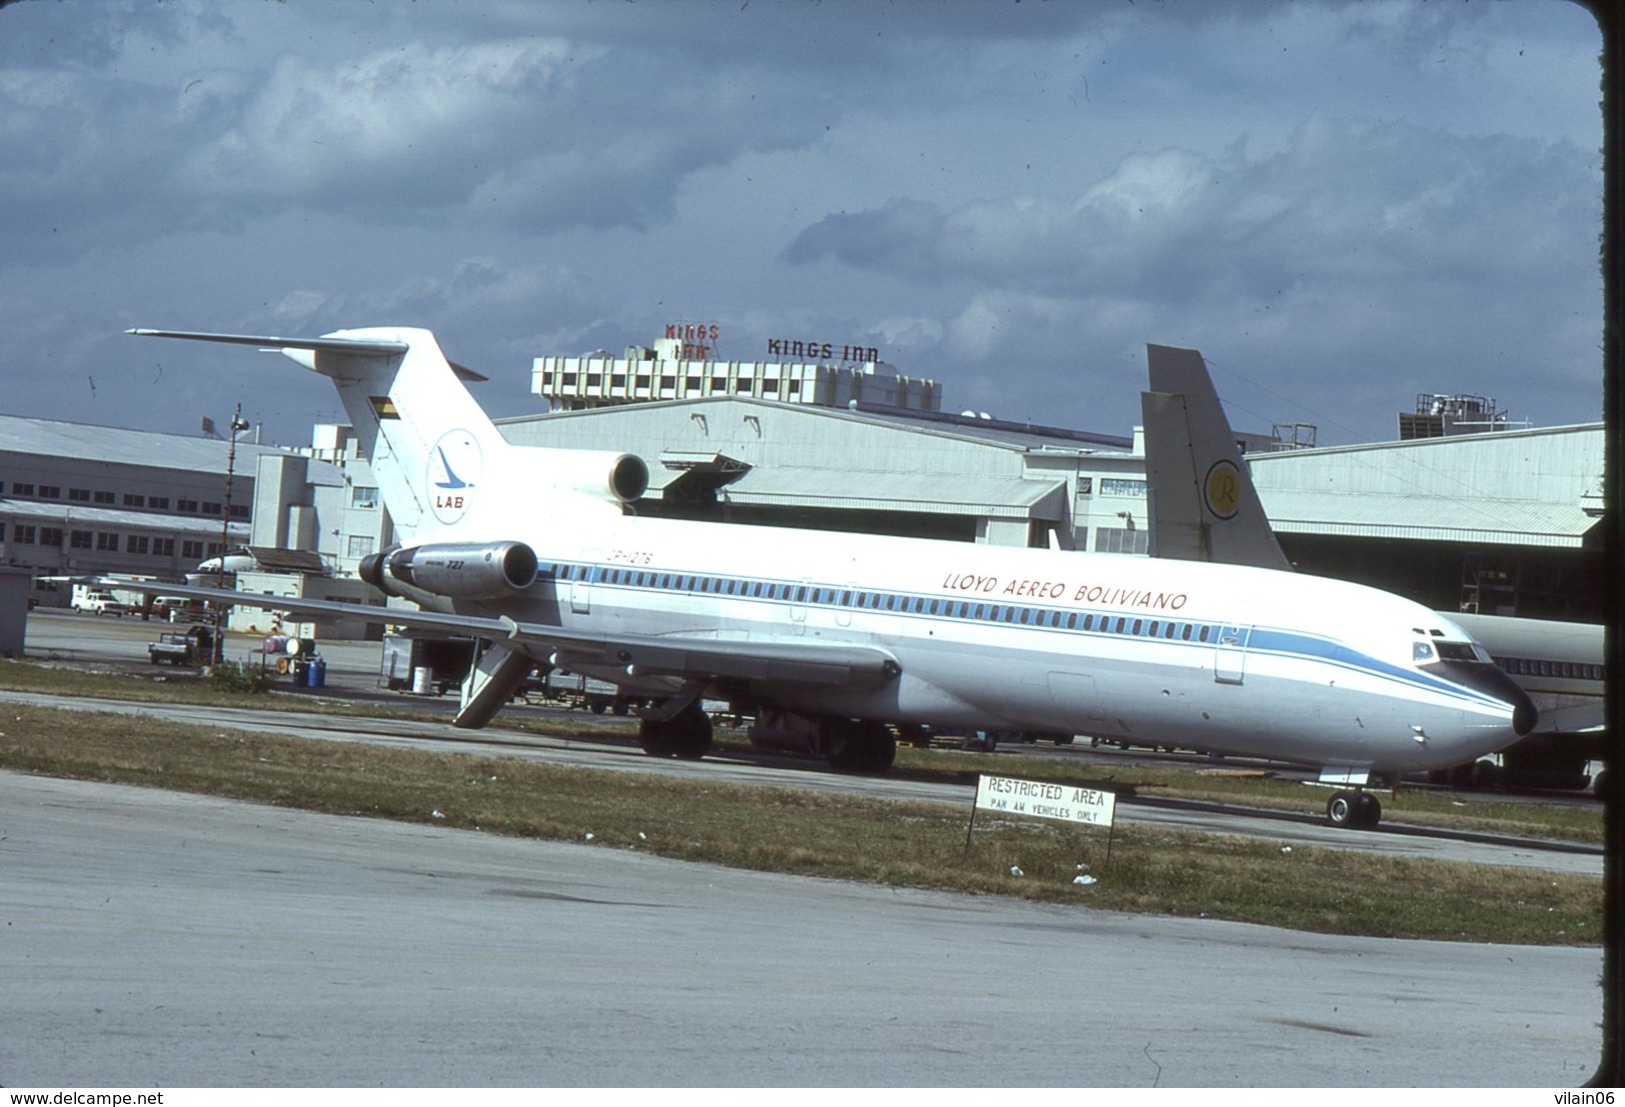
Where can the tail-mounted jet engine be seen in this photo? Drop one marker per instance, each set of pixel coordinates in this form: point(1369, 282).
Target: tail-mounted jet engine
point(456, 570)
point(600, 474)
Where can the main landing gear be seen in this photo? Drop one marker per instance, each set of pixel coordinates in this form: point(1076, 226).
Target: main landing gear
point(857, 745)
point(686, 734)
point(849, 745)
point(1353, 809)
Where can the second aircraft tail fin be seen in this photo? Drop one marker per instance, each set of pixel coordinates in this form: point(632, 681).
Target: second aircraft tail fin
point(1202, 500)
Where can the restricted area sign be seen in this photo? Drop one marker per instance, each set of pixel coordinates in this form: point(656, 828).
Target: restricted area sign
point(1039, 800)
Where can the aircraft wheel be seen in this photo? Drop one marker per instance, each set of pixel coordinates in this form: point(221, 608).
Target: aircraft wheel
point(1340, 809)
point(1353, 809)
point(686, 735)
point(1367, 809)
point(1486, 774)
point(859, 746)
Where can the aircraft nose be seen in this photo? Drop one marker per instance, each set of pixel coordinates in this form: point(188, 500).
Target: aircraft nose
point(1491, 680)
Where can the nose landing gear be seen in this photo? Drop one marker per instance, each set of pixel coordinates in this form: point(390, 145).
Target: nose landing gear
point(1353, 809)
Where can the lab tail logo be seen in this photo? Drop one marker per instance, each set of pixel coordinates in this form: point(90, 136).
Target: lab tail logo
point(453, 475)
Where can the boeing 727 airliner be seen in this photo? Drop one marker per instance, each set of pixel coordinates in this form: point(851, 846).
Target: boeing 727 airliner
point(830, 639)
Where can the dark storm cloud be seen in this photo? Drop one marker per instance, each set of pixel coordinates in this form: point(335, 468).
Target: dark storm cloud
point(1012, 198)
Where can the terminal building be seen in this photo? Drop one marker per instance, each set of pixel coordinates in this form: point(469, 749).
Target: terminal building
point(78, 498)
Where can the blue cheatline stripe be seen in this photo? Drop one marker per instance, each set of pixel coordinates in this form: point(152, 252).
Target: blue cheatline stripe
point(1099, 623)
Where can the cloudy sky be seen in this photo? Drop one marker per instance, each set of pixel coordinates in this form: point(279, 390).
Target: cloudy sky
point(1341, 204)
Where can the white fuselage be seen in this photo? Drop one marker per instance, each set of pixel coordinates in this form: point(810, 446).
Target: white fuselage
point(1215, 657)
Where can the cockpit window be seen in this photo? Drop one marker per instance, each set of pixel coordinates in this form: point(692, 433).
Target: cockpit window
point(1458, 651)
point(1422, 651)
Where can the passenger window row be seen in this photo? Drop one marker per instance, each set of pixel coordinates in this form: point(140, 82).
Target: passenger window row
point(893, 602)
point(1564, 670)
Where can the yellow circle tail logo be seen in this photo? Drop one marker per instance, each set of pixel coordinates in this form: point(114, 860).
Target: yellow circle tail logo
point(1222, 489)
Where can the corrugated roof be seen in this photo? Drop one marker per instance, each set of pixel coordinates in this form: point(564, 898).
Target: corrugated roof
point(24, 435)
point(994, 432)
point(992, 497)
point(1431, 518)
point(1509, 488)
point(67, 515)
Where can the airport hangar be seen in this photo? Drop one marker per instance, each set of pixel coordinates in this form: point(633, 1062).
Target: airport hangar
point(1499, 522)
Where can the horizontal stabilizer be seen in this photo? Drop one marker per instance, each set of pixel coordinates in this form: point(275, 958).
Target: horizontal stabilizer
point(326, 343)
point(335, 345)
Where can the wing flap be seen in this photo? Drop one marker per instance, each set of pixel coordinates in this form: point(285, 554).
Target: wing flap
point(774, 662)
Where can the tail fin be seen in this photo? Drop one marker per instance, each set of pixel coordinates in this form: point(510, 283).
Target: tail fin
point(1203, 503)
point(442, 466)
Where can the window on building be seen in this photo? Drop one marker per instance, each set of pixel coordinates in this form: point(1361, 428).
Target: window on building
point(23, 534)
point(191, 549)
point(79, 495)
point(2, 532)
point(163, 547)
point(106, 542)
point(359, 546)
point(239, 511)
point(364, 495)
point(81, 540)
point(134, 499)
point(136, 544)
point(1122, 540)
point(50, 492)
point(1122, 486)
point(158, 503)
point(22, 488)
point(103, 497)
point(51, 536)
point(211, 508)
point(188, 506)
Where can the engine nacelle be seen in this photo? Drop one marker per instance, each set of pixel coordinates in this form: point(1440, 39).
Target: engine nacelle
point(602, 474)
point(457, 570)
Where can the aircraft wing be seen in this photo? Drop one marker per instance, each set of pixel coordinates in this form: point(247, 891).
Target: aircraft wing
point(688, 656)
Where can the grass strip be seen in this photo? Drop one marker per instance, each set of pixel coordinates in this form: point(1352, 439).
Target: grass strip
point(1253, 789)
point(827, 835)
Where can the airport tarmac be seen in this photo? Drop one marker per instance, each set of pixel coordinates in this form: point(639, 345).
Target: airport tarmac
point(156, 938)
